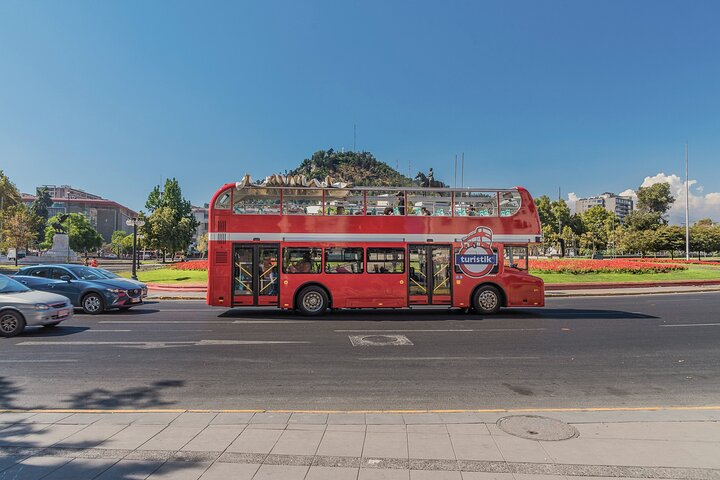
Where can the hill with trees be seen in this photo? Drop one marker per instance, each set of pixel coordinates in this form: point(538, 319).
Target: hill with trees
point(359, 168)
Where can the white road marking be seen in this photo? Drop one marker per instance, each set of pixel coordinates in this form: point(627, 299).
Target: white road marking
point(450, 330)
point(163, 321)
point(39, 361)
point(379, 340)
point(151, 345)
point(205, 321)
point(100, 330)
point(273, 321)
point(445, 358)
point(390, 330)
point(693, 325)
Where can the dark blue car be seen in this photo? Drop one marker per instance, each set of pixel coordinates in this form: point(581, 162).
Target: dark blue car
point(86, 287)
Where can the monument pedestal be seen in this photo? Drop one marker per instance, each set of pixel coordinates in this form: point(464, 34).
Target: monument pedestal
point(60, 251)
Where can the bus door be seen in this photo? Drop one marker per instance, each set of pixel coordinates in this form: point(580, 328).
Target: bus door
point(255, 274)
point(430, 274)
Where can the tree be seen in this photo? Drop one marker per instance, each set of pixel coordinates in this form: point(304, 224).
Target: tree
point(669, 238)
point(40, 207)
point(9, 194)
point(202, 244)
point(597, 223)
point(18, 229)
point(171, 223)
point(116, 241)
point(655, 199)
point(640, 220)
point(83, 237)
point(544, 208)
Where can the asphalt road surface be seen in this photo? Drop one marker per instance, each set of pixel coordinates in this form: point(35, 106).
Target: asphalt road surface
point(629, 351)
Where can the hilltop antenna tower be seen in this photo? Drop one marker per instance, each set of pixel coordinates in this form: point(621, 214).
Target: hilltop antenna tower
point(354, 136)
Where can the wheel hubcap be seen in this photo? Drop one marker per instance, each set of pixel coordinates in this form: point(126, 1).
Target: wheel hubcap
point(312, 302)
point(8, 323)
point(92, 304)
point(488, 300)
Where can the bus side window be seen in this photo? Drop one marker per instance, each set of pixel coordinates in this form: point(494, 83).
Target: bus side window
point(386, 260)
point(516, 257)
point(343, 260)
point(301, 260)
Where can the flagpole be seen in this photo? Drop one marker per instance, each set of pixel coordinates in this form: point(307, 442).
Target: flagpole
point(687, 206)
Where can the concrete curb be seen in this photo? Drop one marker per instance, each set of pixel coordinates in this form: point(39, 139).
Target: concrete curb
point(598, 285)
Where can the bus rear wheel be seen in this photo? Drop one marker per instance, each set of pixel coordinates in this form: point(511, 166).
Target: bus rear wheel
point(312, 301)
point(487, 300)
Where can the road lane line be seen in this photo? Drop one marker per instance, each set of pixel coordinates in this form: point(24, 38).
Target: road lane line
point(691, 325)
point(162, 321)
point(410, 359)
point(65, 360)
point(160, 344)
point(100, 330)
point(190, 322)
point(391, 330)
point(450, 330)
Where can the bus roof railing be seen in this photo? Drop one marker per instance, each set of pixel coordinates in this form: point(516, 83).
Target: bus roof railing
point(239, 186)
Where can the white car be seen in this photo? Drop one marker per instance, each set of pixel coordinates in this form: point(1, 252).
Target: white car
point(21, 306)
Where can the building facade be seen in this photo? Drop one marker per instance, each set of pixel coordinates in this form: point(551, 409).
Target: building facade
point(616, 204)
point(104, 215)
point(201, 215)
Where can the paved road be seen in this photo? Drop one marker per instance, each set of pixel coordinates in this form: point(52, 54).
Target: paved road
point(578, 352)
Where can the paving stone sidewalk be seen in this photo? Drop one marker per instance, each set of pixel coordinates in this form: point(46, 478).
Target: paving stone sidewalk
point(683, 444)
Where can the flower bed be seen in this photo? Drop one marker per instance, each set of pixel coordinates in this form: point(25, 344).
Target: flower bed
point(191, 265)
point(602, 266)
point(679, 261)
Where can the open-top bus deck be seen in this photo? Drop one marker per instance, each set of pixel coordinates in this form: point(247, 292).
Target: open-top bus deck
point(312, 248)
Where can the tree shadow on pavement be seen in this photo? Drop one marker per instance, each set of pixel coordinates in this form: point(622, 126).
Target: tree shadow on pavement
point(572, 313)
point(147, 396)
point(31, 446)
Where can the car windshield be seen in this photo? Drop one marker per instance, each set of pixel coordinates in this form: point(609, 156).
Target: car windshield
point(8, 285)
point(87, 273)
point(106, 273)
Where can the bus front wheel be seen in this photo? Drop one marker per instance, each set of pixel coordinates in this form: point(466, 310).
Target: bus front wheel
point(312, 300)
point(487, 300)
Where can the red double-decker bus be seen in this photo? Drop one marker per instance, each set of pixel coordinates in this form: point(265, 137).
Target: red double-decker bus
point(311, 248)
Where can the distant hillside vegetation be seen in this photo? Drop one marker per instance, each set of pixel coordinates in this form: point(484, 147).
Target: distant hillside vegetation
point(359, 168)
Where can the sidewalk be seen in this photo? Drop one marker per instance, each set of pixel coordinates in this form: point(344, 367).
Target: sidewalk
point(179, 445)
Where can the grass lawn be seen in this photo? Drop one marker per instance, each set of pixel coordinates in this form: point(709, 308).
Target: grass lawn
point(169, 275)
point(694, 272)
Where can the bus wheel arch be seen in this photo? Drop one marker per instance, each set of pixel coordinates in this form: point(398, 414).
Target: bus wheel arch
point(307, 297)
point(482, 298)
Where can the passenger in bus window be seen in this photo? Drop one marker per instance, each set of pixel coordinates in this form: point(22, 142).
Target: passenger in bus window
point(401, 203)
point(425, 212)
point(340, 210)
point(471, 211)
point(388, 211)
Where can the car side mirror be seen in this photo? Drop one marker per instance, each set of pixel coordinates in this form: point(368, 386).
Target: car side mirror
point(66, 278)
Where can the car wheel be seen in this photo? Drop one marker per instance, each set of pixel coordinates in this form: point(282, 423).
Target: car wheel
point(51, 325)
point(11, 324)
point(92, 304)
point(487, 300)
point(312, 301)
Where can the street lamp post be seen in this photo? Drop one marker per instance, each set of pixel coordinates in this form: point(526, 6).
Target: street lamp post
point(135, 223)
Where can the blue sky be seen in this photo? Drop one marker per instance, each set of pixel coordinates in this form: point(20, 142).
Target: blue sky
point(115, 96)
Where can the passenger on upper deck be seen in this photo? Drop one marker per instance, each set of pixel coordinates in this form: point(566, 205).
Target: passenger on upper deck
point(388, 211)
point(340, 210)
point(425, 212)
point(401, 203)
